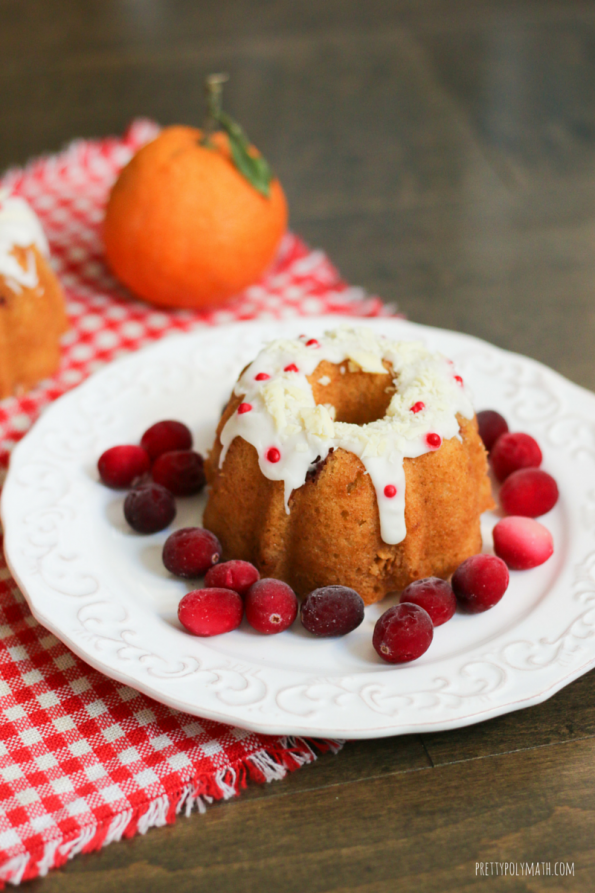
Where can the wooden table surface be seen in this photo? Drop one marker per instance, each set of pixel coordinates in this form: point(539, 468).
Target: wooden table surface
point(443, 153)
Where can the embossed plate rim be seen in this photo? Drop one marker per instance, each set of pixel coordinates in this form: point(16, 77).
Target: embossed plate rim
point(573, 651)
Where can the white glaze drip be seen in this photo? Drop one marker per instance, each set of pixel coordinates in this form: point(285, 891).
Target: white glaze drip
point(19, 227)
point(284, 416)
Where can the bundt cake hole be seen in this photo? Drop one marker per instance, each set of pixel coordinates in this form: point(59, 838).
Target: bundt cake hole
point(358, 397)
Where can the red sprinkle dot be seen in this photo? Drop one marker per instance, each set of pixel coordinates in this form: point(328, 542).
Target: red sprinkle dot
point(262, 376)
point(312, 343)
point(434, 441)
point(273, 455)
point(459, 379)
point(390, 490)
point(244, 407)
point(291, 368)
point(417, 407)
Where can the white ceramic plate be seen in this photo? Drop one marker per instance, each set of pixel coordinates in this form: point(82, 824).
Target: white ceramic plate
point(102, 588)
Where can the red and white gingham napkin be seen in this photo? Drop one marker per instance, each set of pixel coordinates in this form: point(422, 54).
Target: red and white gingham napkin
point(84, 760)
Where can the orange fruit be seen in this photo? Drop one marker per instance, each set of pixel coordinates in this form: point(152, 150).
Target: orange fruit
point(184, 228)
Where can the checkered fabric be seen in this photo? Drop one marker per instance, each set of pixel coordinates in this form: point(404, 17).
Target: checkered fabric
point(84, 760)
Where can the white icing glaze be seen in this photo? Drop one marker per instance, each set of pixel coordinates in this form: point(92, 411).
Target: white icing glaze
point(19, 227)
point(283, 415)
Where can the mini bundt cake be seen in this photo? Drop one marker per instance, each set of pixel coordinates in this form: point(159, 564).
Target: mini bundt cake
point(350, 459)
point(32, 314)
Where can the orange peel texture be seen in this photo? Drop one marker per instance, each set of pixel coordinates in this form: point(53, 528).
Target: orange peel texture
point(184, 228)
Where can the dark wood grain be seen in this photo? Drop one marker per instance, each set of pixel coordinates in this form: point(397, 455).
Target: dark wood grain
point(424, 830)
point(443, 153)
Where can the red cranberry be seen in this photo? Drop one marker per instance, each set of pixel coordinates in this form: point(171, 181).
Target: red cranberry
point(459, 380)
point(403, 633)
point(312, 343)
point(390, 491)
point(433, 441)
point(480, 582)
point(123, 466)
point(273, 455)
point(332, 611)
point(149, 508)
point(236, 575)
point(262, 376)
point(514, 451)
point(417, 407)
point(181, 471)
point(210, 612)
point(163, 437)
point(530, 492)
point(522, 542)
point(491, 426)
point(433, 595)
point(244, 407)
point(271, 606)
point(191, 551)
point(291, 368)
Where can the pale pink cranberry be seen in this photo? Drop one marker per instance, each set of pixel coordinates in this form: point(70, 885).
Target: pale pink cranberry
point(291, 368)
point(149, 508)
point(434, 441)
point(433, 595)
point(262, 376)
point(390, 491)
point(210, 612)
point(244, 407)
point(332, 611)
point(491, 426)
point(480, 582)
point(417, 407)
point(237, 575)
point(312, 343)
point(513, 451)
point(271, 606)
point(181, 471)
point(273, 455)
point(403, 633)
point(123, 466)
point(522, 542)
point(530, 492)
point(163, 437)
point(191, 551)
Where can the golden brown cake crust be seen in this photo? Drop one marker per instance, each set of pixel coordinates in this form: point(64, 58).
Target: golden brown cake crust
point(31, 322)
point(332, 532)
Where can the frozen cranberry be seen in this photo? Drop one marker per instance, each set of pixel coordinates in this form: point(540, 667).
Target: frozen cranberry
point(529, 492)
point(522, 542)
point(403, 633)
point(123, 466)
point(433, 595)
point(332, 611)
point(514, 451)
point(480, 582)
point(271, 606)
point(149, 508)
point(163, 437)
point(191, 551)
point(236, 575)
point(181, 471)
point(491, 426)
point(210, 612)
